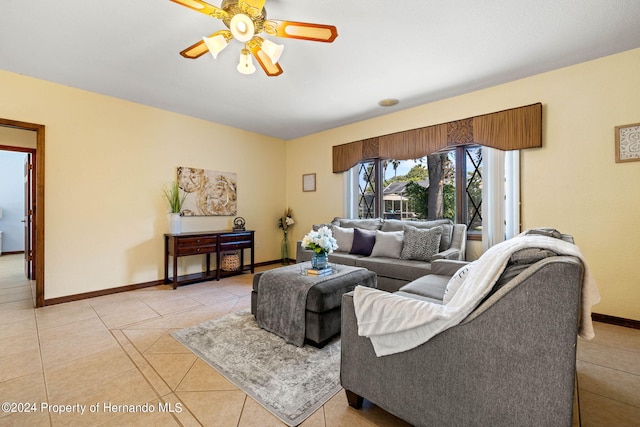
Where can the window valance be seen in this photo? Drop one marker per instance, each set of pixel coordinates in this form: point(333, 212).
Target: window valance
point(513, 129)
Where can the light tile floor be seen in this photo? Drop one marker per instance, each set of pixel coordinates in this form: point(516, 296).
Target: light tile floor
point(116, 350)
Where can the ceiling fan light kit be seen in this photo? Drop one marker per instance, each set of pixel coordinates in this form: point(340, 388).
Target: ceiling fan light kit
point(245, 19)
point(245, 66)
point(217, 42)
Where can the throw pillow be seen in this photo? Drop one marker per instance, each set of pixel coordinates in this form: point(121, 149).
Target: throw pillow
point(419, 244)
point(455, 282)
point(363, 241)
point(388, 244)
point(344, 238)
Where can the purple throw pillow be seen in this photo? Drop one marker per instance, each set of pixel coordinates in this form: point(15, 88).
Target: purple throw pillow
point(363, 242)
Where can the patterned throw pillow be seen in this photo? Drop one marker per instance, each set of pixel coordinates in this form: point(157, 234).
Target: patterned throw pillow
point(419, 244)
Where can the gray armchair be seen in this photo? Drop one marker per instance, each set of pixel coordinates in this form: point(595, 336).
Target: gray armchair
point(510, 362)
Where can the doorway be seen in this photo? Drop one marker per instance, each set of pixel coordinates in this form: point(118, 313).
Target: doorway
point(35, 218)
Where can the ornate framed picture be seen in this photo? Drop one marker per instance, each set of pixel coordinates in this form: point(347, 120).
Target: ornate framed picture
point(309, 182)
point(628, 143)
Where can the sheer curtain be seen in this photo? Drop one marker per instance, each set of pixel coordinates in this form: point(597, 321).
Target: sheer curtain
point(500, 196)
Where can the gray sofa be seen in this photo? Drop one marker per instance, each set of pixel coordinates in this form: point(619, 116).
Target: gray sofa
point(393, 272)
point(510, 362)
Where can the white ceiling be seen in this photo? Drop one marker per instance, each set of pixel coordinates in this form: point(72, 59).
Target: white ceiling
point(415, 50)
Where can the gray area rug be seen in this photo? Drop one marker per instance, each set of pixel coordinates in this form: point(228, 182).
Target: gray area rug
point(289, 381)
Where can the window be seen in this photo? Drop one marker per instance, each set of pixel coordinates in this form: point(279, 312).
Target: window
point(399, 189)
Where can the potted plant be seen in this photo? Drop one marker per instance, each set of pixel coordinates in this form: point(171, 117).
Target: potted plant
point(175, 197)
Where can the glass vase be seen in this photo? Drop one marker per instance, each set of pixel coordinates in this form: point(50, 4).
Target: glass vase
point(284, 249)
point(319, 260)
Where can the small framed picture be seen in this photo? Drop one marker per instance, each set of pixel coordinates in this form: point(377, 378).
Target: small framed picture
point(628, 143)
point(309, 182)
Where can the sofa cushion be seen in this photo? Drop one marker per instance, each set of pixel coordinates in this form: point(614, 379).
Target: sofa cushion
point(365, 224)
point(421, 245)
point(363, 241)
point(403, 269)
point(446, 224)
point(431, 286)
point(388, 244)
point(344, 258)
point(344, 238)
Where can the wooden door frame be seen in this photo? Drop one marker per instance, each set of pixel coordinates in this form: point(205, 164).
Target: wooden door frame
point(39, 196)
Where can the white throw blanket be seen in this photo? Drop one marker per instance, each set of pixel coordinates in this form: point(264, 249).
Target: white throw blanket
point(395, 323)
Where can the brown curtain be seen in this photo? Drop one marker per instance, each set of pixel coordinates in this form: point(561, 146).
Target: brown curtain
point(513, 129)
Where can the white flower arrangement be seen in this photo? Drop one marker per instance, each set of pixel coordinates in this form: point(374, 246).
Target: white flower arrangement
point(286, 221)
point(321, 241)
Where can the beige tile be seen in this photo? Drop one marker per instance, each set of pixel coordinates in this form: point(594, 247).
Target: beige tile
point(616, 336)
point(19, 344)
point(202, 377)
point(63, 314)
point(170, 304)
point(127, 388)
point(142, 339)
point(214, 408)
point(211, 296)
point(31, 419)
point(156, 381)
point(599, 411)
point(611, 357)
point(171, 367)
point(167, 344)
point(607, 382)
point(18, 364)
point(182, 413)
point(86, 371)
point(58, 350)
point(27, 388)
point(16, 311)
point(254, 414)
point(128, 315)
point(157, 413)
point(19, 327)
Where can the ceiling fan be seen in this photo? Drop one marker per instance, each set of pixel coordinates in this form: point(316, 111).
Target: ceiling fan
point(244, 20)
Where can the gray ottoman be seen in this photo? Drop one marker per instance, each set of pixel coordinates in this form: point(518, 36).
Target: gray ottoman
point(322, 312)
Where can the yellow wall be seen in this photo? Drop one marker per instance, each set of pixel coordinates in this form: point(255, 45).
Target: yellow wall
point(572, 183)
point(107, 161)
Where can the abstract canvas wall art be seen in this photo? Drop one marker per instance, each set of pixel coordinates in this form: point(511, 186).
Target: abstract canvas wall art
point(208, 192)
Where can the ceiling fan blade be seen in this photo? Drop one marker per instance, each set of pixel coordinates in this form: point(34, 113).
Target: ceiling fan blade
point(196, 50)
point(301, 30)
point(203, 7)
point(265, 62)
point(251, 7)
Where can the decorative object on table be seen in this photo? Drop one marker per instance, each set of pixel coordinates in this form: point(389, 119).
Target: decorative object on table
point(628, 143)
point(238, 224)
point(175, 197)
point(285, 222)
point(208, 192)
point(309, 182)
point(230, 261)
point(322, 243)
point(322, 272)
point(245, 20)
point(291, 386)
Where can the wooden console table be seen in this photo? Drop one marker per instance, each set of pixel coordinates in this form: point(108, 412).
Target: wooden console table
point(206, 243)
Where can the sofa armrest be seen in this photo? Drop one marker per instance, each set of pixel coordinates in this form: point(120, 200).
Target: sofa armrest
point(452, 254)
point(446, 267)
